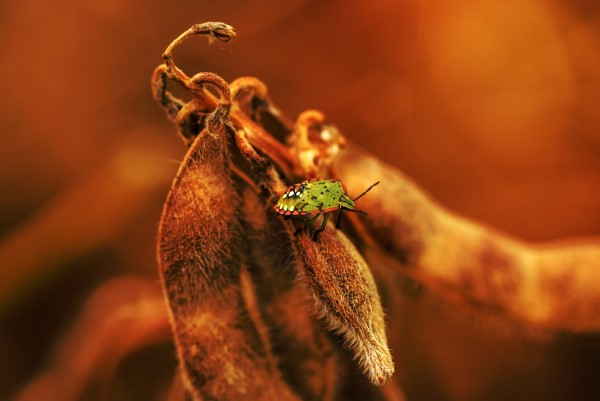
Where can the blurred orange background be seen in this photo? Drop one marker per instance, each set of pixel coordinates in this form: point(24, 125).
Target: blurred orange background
point(492, 107)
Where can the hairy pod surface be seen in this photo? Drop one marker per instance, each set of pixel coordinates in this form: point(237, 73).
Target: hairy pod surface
point(339, 280)
point(220, 351)
point(303, 353)
point(347, 298)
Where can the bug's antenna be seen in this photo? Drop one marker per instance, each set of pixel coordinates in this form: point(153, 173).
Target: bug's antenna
point(367, 190)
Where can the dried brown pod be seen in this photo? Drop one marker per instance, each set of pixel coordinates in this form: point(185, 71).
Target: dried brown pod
point(347, 298)
point(220, 352)
point(201, 245)
point(237, 280)
point(341, 283)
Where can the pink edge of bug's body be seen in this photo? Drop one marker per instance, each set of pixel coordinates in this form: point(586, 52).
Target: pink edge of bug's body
point(297, 213)
point(291, 213)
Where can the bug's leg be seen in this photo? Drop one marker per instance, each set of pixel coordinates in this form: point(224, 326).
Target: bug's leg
point(307, 224)
point(322, 228)
point(339, 219)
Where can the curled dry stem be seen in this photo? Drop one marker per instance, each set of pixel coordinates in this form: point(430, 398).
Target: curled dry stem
point(268, 178)
point(185, 116)
point(315, 143)
point(214, 31)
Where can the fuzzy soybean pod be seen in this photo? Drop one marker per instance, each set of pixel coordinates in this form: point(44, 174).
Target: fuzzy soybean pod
point(199, 237)
point(343, 289)
point(220, 351)
point(347, 298)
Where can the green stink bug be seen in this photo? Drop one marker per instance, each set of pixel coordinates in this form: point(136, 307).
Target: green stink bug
point(317, 197)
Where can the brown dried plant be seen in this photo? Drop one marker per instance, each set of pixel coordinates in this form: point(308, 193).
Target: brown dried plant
point(258, 313)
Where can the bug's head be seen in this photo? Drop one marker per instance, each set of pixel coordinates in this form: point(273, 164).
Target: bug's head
point(346, 202)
